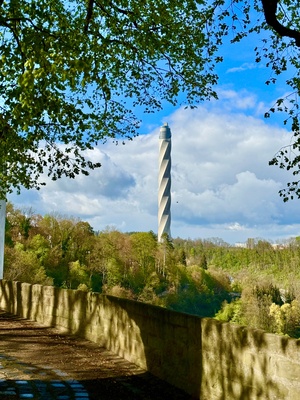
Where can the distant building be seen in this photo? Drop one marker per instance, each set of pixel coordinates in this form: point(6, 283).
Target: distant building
point(250, 243)
point(241, 245)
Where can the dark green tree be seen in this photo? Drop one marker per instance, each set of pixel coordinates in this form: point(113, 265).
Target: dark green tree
point(73, 72)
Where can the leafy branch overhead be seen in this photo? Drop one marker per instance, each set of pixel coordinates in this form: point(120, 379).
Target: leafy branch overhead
point(283, 17)
point(73, 72)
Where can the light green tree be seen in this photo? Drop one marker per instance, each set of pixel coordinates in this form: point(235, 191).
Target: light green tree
point(286, 318)
point(24, 266)
point(143, 250)
point(109, 258)
point(78, 275)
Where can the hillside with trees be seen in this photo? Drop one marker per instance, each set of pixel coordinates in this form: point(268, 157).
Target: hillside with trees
point(257, 286)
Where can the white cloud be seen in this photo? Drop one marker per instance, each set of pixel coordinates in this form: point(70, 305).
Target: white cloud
point(242, 100)
point(111, 180)
point(243, 67)
point(235, 226)
point(222, 185)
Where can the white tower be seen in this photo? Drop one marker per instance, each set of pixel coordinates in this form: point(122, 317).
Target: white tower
point(164, 182)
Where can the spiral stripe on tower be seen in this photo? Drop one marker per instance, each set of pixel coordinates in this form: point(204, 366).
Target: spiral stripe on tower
point(164, 182)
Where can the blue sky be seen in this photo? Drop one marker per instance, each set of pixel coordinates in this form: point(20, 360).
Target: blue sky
point(222, 185)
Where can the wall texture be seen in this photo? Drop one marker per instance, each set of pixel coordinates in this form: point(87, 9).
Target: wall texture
point(208, 359)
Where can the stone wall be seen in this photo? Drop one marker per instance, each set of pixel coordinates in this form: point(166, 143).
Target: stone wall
point(208, 359)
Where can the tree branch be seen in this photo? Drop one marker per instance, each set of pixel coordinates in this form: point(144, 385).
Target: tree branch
point(89, 14)
point(270, 11)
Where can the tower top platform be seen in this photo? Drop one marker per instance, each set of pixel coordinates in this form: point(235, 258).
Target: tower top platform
point(165, 132)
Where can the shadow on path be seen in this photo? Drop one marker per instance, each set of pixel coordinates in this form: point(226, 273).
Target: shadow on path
point(45, 364)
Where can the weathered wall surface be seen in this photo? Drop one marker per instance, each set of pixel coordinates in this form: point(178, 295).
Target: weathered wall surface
point(208, 359)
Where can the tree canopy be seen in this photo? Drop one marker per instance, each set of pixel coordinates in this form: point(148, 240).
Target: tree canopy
point(257, 285)
point(73, 72)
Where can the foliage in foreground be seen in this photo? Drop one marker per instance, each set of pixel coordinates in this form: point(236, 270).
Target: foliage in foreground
point(74, 73)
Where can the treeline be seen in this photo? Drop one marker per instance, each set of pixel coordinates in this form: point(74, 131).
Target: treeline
point(256, 286)
point(66, 252)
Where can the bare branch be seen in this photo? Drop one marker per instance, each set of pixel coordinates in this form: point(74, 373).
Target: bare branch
point(270, 11)
point(89, 15)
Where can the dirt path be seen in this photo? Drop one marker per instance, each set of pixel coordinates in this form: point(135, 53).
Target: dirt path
point(43, 364)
